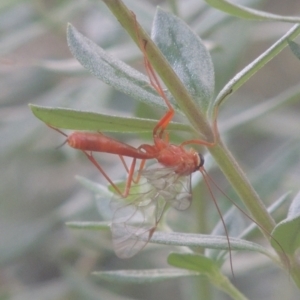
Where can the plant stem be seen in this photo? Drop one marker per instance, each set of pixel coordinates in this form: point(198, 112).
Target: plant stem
point(242, 186)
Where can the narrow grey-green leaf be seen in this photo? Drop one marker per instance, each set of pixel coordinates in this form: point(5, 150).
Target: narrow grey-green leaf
point(287, 233)
point(143, 276)
point(110, 70)
point(295, 48)
point(243, 76)
point(206, 241)
point(187, 55)
point(88, 225)
point(249, 13)
point(294, 210)
point(85, 120)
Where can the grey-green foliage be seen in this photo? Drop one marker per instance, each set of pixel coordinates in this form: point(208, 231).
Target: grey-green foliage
point(38, 190)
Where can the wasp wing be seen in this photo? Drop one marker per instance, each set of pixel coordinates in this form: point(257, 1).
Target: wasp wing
point(173, 187)
point(136, 216)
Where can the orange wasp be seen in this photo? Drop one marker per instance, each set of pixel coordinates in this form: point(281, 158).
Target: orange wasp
point(167, 184)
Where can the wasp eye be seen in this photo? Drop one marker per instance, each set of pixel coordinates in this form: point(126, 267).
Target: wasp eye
point(201, 160)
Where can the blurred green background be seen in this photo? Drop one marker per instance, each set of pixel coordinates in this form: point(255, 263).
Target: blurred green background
point(43, 259)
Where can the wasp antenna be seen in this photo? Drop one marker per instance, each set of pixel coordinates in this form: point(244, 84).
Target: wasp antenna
point(59, 146)
point(206, 179)
point(285, 257)
point(61, 132)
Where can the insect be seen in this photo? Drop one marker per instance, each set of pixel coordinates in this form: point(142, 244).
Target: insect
point(167, 184)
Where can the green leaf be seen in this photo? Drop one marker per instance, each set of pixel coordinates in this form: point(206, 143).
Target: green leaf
point(88, 225)
point(193, 262)
point(85, 120)
point(249, 13)
point(143, 276)
point(287, 233)
point(295, 48)
point(243, 76)
point(110, 70)
point(187, 55)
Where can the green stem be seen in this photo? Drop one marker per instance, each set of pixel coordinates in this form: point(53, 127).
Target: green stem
point(242, 186)
point(203, 287)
